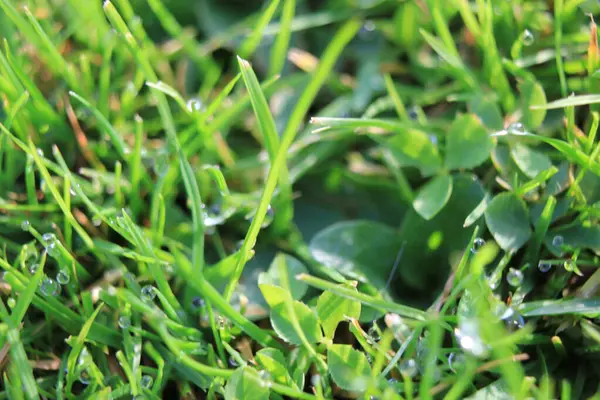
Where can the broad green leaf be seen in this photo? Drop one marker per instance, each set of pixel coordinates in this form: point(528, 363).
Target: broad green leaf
point(488, 111)
point(273, 294)
point(273, 361)
point(294, 267)
point(361, 250)
point(532, 95)
point(507, 219)
point(530, 162)
point(333, 309)
point(349, 368)
point(560, 307)
point(468, 144)
point(433, 196)
point(244, 384)
point(576, 236)
point(414, 148)
point(306, 317)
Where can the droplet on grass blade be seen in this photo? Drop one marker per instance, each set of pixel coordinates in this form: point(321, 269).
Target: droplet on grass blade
point(527, 37)
point(409, 368)
point(49, 287)
point(456, 361)
point(477, 244)
point(514, 277)
point(146, 381)
point(558, 241)
point(468, 337)
point(25, 225)
point(63, 277)
point(33, 268)
point(516, 128)
point(544, 266)
point(148, 293)
point(124, 322)
point(11, 302)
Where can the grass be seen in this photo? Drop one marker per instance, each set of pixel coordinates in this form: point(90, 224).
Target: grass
point(299, 199)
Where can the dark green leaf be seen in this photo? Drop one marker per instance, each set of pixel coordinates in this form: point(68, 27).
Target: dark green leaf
point(532, 95)
point(468, 144)
point(414, 148)
point(349, 368)
point(530, 162)
point(507, 219)
point(245, 384)
point(433, 196)
point(488, 112)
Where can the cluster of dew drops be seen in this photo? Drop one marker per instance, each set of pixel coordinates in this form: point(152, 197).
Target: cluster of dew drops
point(49, 286)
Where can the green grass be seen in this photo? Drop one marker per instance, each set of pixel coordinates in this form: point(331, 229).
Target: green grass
point(299, 199)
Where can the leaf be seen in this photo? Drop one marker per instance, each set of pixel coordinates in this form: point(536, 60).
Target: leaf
point(349, 368)
point(273, 361)
point(477, 211)
point(468, 144)
point(487, 110)
point(507, 219)
point(581, 100)
point(273, 294)
point(244, 385)
point(560, 307)
point(414, 148)
point(494, 391)
point(532, 95)
point(361, 250)
point(433, 196)
point(294, 267)
point(306, 318)
point(529, 161)
point(333, 309)
point(576, 236)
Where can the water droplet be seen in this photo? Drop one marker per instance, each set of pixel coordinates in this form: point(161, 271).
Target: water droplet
point(25, 225)
point(33, 268)
point(265, 376)
point(398, 326)
point(392, 381)
point(146, 381)
point(233, 362)
point(544, 266)
point(467, 335)
point(374, 335)
point(477, 244)
point(11, 302)
point(413, 113)
point(268, 217)
point(148, 293)
point(514, 277)
point(194, 104)
point(516, 128)
point(97, 221)
point(409, 367)
point(558, 241)
point(366, 32)
point(512, 320)
point(48, 238)
point(456, 361)
point(63, 277)
point(40, 152)
point(527, 37)
point(124, 321)
point(52, 250)
point(49, 287)
point(84, 377)
point(315, 380)
point(197, 303)
point(72, 192)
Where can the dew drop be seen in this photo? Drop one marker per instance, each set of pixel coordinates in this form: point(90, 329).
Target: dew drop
point(49, 287)
point(194, 104)
point(544, 266)
point(40, 152)
point(315, 380)
point(233, 362)
point(52, 250)
point(124, 321)
point(97, 221)
point(477, 245)
point(148, 293)
point(412, 113)
point(467, 335)
point(11, 302)
point(48, 238)
point(373, 333)
point(63, 277)
point(527, 37)
point(516, 128)
point(33, 268)
point(84, 377)
point(514, 277)
point(197, 303)
point(265, 377)
point(392, 381)
point(409, 368)
point(146, 381)
point(558, 241)
point(456, 361)
point(268, 217)
point(25, 225)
